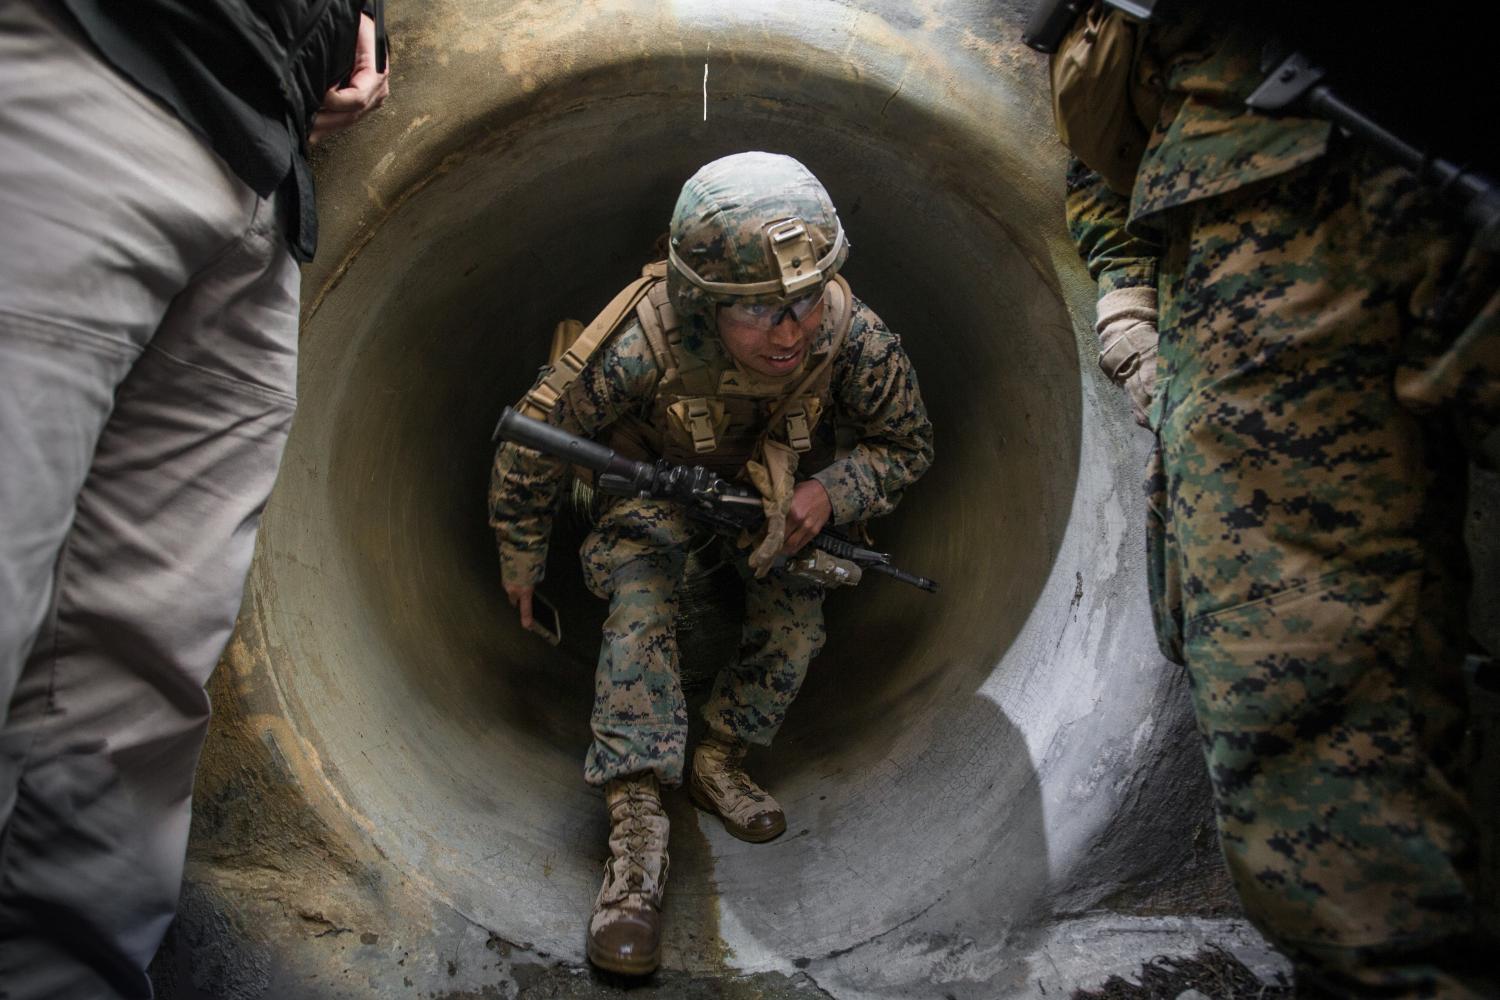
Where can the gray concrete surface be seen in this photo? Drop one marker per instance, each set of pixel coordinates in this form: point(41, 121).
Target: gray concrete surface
point(991, 792)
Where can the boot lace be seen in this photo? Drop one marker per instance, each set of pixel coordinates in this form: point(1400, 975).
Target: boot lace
point(628, 870)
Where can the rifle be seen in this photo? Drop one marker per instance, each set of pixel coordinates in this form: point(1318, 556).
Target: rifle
point(728, 508)
point(1297, 84)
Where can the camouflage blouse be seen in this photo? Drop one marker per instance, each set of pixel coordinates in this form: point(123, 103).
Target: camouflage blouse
point(1205, 142)
point(874, 390)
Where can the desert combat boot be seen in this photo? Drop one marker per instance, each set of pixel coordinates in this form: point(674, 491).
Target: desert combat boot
point(720, 785)
point(625, 930)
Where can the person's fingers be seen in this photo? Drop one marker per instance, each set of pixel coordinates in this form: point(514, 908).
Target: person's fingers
point(524, 606)
point(345, 106)
point(369, 87)
point(365, 92)
point(341, 101)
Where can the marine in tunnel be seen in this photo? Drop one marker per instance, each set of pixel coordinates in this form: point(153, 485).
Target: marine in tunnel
point(742, 353)
point(1328, 364)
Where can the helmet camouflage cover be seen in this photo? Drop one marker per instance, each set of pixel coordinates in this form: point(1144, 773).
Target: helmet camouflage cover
point(751, 227)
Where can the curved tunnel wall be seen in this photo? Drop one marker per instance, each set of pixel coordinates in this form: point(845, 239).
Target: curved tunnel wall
point(956, 769)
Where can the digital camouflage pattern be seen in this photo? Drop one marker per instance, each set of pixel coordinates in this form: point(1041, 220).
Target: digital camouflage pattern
point(633, 559)
point(1204, 143)
point(718, 226)
point(875, 392)
point(1329, 347)
point(635, 554)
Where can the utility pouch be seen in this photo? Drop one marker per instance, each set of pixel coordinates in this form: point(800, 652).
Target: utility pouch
point(801, 419)
point(699, 420)
point(1106, 94)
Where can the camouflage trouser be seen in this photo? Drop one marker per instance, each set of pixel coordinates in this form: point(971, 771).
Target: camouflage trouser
point(634, 558)
point(1325, 361)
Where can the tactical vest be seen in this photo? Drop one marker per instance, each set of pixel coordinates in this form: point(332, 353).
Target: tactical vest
point(708, 412)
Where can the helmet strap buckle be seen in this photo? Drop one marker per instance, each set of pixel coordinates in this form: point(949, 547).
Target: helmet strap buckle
point(792, 247)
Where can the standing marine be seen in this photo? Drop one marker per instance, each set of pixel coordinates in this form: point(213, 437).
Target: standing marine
point(742, 353)
point(1328, 363)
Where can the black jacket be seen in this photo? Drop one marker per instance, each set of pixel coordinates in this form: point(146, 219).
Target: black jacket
point(247, 75)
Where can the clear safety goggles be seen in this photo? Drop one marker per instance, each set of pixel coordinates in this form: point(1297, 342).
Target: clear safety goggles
point(766, 315)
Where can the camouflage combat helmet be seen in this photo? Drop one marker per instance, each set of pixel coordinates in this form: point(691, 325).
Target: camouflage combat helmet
point(751, 227)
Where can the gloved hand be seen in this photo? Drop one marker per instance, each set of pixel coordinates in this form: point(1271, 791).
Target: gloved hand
point(1127, 344)
point(775, 479)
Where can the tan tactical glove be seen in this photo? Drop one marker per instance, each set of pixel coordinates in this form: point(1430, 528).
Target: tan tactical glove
point(775, 479)
point(1127, 344)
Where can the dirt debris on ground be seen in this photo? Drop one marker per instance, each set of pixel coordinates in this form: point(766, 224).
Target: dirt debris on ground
point(1213, 973)
point(570, 983)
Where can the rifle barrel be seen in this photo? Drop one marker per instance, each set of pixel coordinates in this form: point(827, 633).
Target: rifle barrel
point(555, 441)
point(920, 582)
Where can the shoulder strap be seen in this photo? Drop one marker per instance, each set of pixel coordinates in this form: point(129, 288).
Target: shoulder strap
point(659, 323)
point(538, 402)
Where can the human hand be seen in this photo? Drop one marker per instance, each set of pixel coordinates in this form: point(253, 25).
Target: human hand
point(367, 89)
point(519, 595)
point(809, 511)
point(1127, 344)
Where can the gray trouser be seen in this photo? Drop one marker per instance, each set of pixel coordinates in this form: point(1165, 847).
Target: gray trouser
point(148, 320)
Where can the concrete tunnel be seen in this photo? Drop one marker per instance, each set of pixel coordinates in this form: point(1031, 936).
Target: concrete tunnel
point(990, 791)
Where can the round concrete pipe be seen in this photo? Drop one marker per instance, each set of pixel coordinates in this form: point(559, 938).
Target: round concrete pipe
point(962, 769)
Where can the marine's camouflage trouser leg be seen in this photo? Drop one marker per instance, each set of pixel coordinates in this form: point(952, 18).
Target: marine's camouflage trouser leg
point(782, 633)
point(1307, 559)
point(634, 558)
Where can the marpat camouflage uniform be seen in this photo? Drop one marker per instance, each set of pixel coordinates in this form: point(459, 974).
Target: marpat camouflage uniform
point(634, 556)
point(1329, 359)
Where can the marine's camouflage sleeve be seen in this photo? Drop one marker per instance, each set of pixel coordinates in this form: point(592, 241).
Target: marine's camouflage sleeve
point(875, 390)
point(524, 484)
point(1096, 220)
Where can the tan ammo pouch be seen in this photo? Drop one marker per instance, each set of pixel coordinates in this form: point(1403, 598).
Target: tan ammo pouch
point(801, 417)
point(700, 420)
point(1105, 94)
